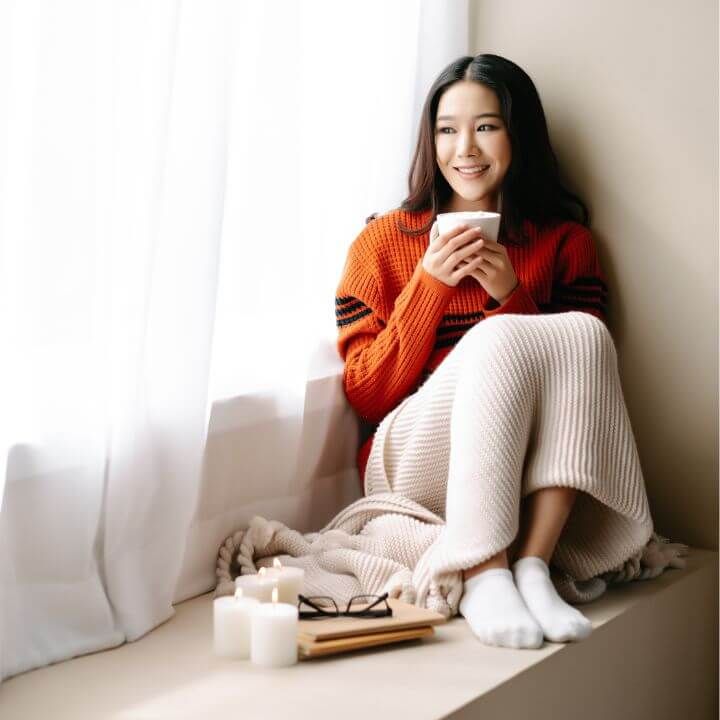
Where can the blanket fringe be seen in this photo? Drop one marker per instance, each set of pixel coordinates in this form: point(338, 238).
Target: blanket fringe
point(239, 551)
point(658, 554)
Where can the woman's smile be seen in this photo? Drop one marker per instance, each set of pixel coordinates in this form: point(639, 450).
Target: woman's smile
point(472, 146)
point(466, 175)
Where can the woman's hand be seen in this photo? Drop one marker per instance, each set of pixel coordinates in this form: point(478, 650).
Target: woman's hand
point(495, 271)
point(450, 257)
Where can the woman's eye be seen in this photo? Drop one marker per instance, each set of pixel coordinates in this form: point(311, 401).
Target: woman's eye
point(485, 125)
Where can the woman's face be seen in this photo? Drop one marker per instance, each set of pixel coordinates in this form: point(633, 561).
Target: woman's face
point(469, 131)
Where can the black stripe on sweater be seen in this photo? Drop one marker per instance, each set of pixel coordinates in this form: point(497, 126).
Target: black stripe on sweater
point(556, 306)
point(354, 318)
point(454, 328)
point(588, 281)
point(569, 291)
point(571, 298)
point(348, 304)
point(348, 309)
point(344, 300)
point(448, 341)
point(463, 316)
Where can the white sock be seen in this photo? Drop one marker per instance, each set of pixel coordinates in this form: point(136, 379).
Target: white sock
point(496, 613)
point(559, 621)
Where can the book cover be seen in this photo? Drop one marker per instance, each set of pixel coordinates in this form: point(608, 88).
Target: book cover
point(405, 616)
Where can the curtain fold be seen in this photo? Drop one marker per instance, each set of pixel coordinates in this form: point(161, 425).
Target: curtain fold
point(179, 183)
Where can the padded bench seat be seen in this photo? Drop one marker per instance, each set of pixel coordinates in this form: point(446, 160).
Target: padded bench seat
point(652, 654)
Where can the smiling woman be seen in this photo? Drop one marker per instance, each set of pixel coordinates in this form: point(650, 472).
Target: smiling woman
point(514, 430)
point(473, 154)
point(486, 110)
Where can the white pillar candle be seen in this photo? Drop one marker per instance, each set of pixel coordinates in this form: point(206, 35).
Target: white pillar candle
point(290, 581)
point(259, 585)
point(273, 641)
point(232, 625)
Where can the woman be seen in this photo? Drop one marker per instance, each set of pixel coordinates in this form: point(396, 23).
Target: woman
point(485, 371)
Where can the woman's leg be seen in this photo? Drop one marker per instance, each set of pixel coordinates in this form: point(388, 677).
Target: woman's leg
point(496, 561)
point(544, 514)
point(530, 402)
point(542, 517)
point(493, 605)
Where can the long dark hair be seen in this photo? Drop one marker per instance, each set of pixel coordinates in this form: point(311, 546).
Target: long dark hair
point(531, 189)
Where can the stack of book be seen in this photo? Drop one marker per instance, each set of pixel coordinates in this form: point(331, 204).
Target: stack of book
point(327, 636)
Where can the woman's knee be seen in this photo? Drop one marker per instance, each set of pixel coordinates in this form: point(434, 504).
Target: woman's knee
point(596, 332)
point(502, 337)
point(487, 337)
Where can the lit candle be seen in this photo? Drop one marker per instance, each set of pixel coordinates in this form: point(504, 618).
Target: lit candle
point(274, 632)
point(290, 581)
point(231, 625)
point(260, 585)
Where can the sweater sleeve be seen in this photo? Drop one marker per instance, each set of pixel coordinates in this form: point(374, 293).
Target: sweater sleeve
point(520, 302)
point(384, 342)
point(579, 282)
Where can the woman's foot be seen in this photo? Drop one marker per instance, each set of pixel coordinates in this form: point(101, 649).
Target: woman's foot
point(559, 621)
point(497, 613)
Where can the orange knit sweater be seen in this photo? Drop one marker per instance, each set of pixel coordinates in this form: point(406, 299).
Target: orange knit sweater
point(396, 322)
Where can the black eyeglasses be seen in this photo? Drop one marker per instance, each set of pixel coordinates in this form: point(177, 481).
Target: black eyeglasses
point(368, 606)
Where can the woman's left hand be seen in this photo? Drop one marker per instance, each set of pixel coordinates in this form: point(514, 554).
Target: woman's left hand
point(495, 273)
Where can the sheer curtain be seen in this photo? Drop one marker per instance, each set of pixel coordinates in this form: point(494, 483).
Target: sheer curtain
point(179, 182)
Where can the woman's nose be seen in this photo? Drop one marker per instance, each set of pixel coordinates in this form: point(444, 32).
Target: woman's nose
point(467, 142)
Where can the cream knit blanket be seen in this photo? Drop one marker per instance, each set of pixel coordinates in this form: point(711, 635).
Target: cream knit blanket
point(530, 401)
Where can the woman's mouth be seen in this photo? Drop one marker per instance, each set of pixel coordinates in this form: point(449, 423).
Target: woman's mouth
point(472, 175)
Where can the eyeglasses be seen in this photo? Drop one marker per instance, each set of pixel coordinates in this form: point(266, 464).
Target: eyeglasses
point(368, 606)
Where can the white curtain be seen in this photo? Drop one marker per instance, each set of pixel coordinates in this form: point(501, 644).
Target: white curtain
point(179, 183)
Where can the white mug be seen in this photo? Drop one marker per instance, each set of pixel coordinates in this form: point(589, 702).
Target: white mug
point(488, 222)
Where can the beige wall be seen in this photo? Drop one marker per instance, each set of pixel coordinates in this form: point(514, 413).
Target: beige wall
point(630, 91)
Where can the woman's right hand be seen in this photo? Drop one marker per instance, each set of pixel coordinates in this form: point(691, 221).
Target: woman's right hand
point(445, 253)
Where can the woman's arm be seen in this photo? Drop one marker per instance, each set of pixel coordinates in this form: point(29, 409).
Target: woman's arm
point(579, 282)
point(384, 342)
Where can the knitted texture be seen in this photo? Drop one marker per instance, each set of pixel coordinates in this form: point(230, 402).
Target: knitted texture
point(530, 400)
point(396, 322)
point(381, 544)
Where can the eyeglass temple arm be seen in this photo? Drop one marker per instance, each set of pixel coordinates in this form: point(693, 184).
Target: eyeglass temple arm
point(306, 600)
point(302, 598)
point(379, 599)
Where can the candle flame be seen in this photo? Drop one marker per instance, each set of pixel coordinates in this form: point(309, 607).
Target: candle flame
point(276, 563)
point(275, 594)
point(262, 571)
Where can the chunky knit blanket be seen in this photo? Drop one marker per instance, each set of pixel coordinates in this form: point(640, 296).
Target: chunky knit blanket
point(530, 401)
